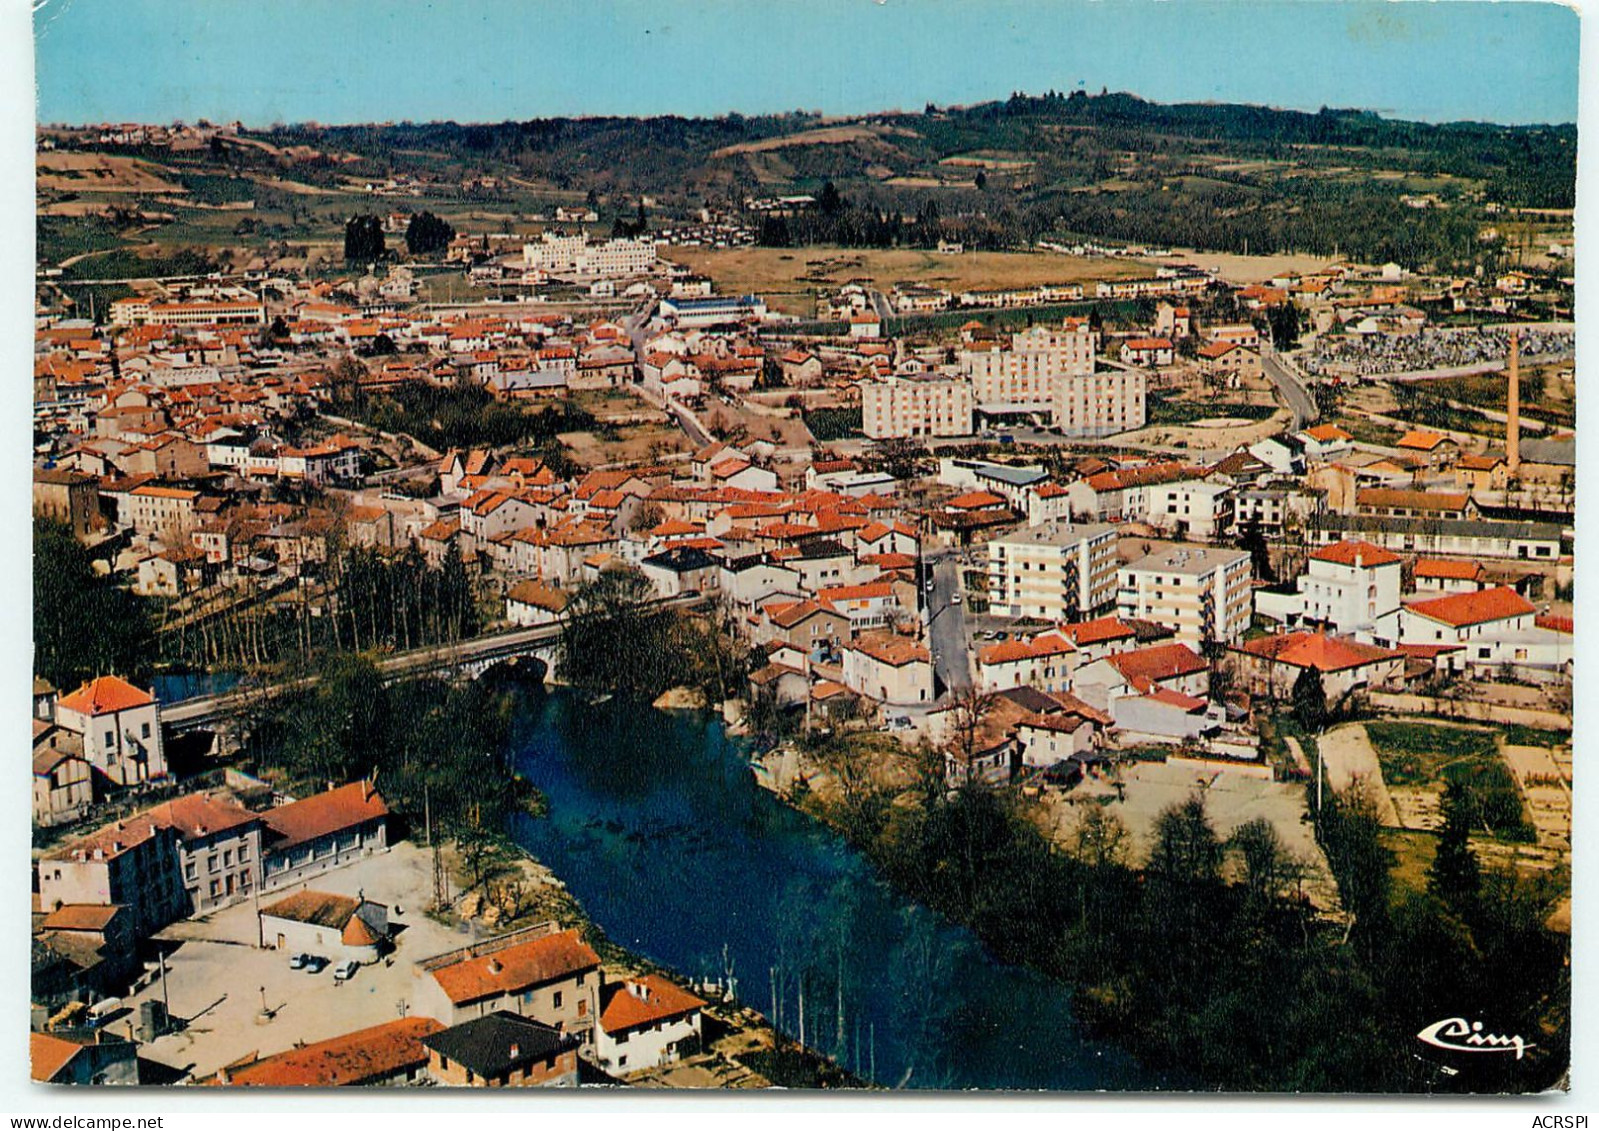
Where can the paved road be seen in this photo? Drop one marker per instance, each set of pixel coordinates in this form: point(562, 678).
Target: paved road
point(946, 629)
point(1288, 383)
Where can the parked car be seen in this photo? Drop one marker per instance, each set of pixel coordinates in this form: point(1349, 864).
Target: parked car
point(315, 964)
point(297, 961)
point(345, 970)
point(956, 599)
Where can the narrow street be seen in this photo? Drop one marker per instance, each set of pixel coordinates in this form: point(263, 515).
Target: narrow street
point(946, 625)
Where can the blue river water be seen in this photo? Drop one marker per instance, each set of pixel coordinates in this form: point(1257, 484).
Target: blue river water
point(170, 688)
point(658, 828)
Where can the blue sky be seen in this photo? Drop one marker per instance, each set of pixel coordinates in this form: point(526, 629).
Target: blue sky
point(488, 60)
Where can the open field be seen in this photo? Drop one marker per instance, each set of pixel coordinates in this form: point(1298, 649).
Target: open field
point(827, 135)
point(94, 172)
point(803, 271)
point(635, 442)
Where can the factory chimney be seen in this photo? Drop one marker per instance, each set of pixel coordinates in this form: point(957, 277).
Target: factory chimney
point(1513, 410)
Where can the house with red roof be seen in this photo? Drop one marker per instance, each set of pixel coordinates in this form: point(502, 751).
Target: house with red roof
point(1270, 666)
point(540, 972)
point(1439, 576)
point(319, 833)
point(388, 1053)
point(646, 1022)
point(1493, 627)
point(317, 922)
point(186, 856)
point(53, 1059)
point(1351, 587)
point(889, 668)
point(1140, 671)
point(1045, 662)
point(120, 726)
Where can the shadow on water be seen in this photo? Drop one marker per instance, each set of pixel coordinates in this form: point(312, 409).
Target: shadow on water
point(657, 826)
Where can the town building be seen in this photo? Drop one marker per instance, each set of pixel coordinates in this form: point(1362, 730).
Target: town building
point(540, 972)
point(890, 669)
point(502, 1050)
point(1349, 587)
point(390, 1054)
point(916, 406)
point(1201, 594)
point(1059, 572)
point(646, 1022)
point(119, 728)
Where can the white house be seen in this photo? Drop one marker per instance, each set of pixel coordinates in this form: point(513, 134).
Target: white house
point(120, 726)
point(646, 1022)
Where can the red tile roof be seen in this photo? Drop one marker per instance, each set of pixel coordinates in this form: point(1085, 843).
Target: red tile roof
point(1460, 609)
point(1348, 551)
point(1316, 650)
point(48, 1055)
point(324, 813)
point(1421, 441)
point(1457, 571)
point(516, 968)
point(105, 695)
point(318, 908)
point(1414, 500)
point(644, 1001)
point(975, 500)
point(1164, 661)
point(1097, 631)
point(364, 1056)
point(80, 917)
point(888, 648)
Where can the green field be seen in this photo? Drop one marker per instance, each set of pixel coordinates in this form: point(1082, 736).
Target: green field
point(1421, 754)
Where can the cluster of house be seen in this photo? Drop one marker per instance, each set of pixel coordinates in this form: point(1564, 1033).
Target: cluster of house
point(517, 1010)
point(101, 896)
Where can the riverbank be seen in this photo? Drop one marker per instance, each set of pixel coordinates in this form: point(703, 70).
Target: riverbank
point(741, 1048)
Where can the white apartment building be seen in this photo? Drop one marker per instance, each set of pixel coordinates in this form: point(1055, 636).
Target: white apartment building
point(916, 406)
point(1192, 508)
point(1349, 587)
point(1024, 377)
point(576, 255)
point(1060, 572)
point(1100, 404)
point(1201, 594)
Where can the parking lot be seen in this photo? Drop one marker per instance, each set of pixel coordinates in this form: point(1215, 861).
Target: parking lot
point(218, 977)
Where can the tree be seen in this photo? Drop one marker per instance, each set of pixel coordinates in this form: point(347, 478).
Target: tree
point(981, 181)
point(1098, 839)
point(1310, 699)
point(427, 234)
point(1253, 539)
point(1268, 867)
point(1187, 849)
point(828, 202)
point(363, 239)
point(968, 710)
point(612, 640)
point(1284, 322)
point(1455, 876)
point(84, 624)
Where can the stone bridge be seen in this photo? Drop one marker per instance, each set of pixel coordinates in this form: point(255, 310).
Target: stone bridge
point(467, 658)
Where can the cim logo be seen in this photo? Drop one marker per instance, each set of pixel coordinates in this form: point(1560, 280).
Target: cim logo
point(1459, 1035)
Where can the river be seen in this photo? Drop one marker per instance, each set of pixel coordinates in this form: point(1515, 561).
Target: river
point(658, 828)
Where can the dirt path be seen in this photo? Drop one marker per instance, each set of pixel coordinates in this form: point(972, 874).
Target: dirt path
point(1348, 755)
